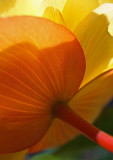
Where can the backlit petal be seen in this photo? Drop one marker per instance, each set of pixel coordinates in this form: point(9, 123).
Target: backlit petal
point(75, 10)
point(41, 63)
point(88, 103)
point(105, 1)
point(95, 34)
point(58, 134)
point(90, 100)
point(14, 156)
point(56, 4)
point(54, 15)
point(20, 7)
point(28, 7)
point(5, 5)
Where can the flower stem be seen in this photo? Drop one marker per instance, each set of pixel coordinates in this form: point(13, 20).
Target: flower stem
point(66, 114)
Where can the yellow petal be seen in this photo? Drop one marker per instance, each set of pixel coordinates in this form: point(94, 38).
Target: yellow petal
point(110, 28)
point(22, 7)
point(5, 5)
point(54, 15)
point(58, 134)
point(28, 7)
point(14, 156)
point(88, 103)
point(56, 4)
point(90, 99)
point(105, 1)
point(95, 34)
point(75, 10)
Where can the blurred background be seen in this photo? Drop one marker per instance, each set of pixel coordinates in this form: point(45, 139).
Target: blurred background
point(82, 148)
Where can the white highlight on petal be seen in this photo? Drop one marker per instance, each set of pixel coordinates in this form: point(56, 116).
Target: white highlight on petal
point(110, 28)
point(106, 9)
point(110, 63)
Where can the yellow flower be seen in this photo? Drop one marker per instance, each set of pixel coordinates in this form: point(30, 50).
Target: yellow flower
point(42, 64)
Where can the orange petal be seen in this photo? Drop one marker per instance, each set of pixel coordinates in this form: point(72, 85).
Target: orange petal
point(41, 63)
point(20, 29)
point(87, 103)
point(58, 134)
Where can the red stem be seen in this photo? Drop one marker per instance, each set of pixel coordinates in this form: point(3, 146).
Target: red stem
point(66, 114)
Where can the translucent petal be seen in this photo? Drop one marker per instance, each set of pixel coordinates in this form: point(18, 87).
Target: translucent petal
point(105, 1)
point(5, 5)
point(56, 4)
point(75, 10)
point(14, 156)
point(41, 63)
point(20, 7)
point(88, 103)
point(91, 99)
point(53, 15)
point(58, 134)
point(29, 7)
point(95, 34)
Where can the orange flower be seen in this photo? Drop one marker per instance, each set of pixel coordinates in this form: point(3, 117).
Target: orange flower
point(43, 100)
point(41, 64)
